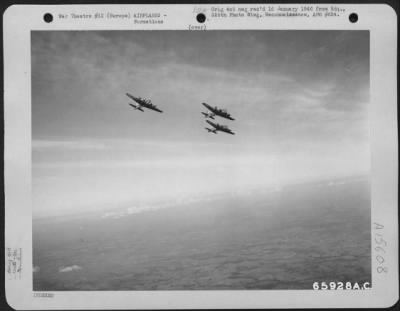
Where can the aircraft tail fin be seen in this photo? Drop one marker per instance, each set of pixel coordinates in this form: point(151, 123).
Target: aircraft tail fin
point(211, 130)
point(207, 115)
point(137, 107)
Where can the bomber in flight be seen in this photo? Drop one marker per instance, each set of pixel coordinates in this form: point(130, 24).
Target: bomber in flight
point(218, 127)
point(215, 111)
point(141, 102)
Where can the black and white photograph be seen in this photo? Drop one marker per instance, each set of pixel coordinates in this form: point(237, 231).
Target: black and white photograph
point(200, 160)
point(200, 156)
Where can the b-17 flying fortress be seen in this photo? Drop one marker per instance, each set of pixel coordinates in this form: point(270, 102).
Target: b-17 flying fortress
point(212, 112)
point(215, 111)
point(141, 102)
point(218, 127)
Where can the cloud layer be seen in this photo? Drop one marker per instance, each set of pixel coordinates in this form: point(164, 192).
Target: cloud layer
point(69, 269)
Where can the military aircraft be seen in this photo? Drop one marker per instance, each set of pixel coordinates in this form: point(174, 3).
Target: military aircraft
point(216, 112)
point(141, 102)
point(218, 127)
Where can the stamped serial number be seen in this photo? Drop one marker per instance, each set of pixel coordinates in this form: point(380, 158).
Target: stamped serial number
point(380, 248)
point(341, 285)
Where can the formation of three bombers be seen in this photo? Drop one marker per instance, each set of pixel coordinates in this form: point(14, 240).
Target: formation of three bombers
point(211, 113)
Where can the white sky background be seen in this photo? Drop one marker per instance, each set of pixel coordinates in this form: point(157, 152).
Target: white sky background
point(300, 100)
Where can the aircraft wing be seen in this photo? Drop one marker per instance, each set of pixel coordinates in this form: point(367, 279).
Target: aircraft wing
point(212, 109)
point(216, 126)
point(155, 108)
point(228, 130)
point(229, 117)
point(134, 98)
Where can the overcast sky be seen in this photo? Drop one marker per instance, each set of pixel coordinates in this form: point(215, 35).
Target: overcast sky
point(300, 100)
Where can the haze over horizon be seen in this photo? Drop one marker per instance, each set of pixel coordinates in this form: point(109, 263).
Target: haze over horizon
point(300, 100)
